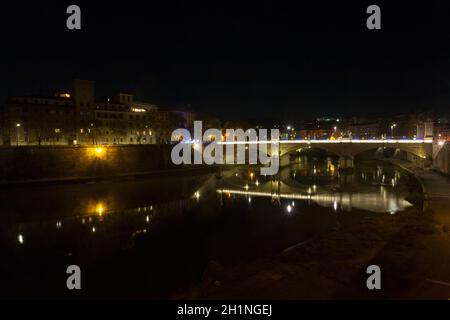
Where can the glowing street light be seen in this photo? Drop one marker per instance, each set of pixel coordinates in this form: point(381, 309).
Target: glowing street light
point(392, 129)
point(18, 126)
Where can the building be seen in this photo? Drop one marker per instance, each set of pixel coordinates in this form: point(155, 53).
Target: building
point(367, 130)
point(38, 120)
point(78, 117)
point(425, 129)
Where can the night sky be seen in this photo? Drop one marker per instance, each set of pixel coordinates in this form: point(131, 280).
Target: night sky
point(261, 59)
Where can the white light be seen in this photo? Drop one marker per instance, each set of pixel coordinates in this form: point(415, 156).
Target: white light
point(289, 208)
point(20, 238)
point(138, 110)
point(374, 141)
point(249, 199)
point(147, 219)
point(93, 229)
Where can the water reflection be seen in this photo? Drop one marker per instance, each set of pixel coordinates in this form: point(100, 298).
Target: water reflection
point(376, 189)
point(174, 226)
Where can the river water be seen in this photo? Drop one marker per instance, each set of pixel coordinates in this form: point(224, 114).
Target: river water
point(151, 238)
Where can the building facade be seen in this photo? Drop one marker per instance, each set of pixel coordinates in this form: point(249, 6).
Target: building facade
point(78, 118)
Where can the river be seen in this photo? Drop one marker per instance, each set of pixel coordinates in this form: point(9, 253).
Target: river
point(151, 238)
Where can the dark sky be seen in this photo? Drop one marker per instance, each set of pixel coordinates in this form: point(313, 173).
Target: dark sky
point(249, 59)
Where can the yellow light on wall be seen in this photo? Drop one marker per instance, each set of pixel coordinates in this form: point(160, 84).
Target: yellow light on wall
point(100, 209)
point(96, 152)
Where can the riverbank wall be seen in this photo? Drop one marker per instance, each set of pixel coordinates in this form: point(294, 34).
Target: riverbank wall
point(70, 162)
point(441, 162)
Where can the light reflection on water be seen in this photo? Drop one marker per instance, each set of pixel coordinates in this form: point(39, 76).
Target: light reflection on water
point(229, 217)
point(375, 189)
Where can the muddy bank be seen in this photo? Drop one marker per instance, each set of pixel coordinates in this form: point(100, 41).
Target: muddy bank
point(334, 265)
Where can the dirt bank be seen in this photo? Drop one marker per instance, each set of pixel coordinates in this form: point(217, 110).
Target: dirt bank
point(412, 248)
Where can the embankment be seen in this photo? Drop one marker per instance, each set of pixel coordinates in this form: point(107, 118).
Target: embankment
point(25, 164)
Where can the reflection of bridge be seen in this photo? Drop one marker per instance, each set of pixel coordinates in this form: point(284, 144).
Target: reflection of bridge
point(381, 201)
point(346, 149)
point(367, 196)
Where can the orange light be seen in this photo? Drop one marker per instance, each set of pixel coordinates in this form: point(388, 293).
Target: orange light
point(99, 209)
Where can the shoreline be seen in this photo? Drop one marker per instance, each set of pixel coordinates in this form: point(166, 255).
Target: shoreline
point(412, 249)
point(86, 179)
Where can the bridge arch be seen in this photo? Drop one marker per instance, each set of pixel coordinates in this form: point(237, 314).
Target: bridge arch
point(346, 151)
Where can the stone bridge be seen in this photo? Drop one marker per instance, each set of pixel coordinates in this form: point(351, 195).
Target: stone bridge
point(348, 149)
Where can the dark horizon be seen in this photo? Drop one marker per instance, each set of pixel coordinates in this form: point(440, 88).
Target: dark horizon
point(257, 60)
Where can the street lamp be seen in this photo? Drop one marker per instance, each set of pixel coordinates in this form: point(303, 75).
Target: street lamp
point(392, 129)
point(17, 135)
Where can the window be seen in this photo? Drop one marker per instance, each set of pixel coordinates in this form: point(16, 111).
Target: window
point(57, 130)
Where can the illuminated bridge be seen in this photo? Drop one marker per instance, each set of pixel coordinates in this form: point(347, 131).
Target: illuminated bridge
point(346, 149)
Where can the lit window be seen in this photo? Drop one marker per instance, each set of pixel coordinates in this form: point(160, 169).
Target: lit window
point(57, 130)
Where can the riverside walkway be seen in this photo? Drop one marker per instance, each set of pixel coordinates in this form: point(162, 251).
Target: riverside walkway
point(434, 259)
